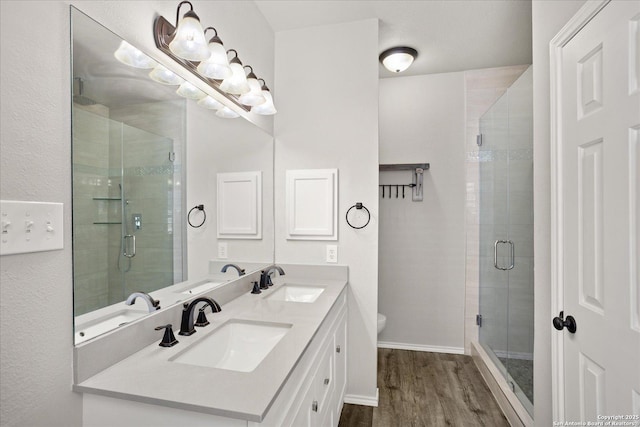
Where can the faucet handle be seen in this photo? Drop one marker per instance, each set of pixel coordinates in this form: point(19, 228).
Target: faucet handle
point(202, 318)
point(168, 340)
point(256, 288)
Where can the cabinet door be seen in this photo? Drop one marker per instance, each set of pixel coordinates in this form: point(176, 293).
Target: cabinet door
point(340, 359)
point(305, 417)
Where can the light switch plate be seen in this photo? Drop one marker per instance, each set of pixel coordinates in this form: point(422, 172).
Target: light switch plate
point(30, 227)
point(222, 250)
point(332, 253)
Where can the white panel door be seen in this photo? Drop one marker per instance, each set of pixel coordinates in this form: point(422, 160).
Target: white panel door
point(599, 201)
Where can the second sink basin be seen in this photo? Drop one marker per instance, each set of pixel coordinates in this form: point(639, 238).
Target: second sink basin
point(297, 293)
point(237, 345)
point(93, 328)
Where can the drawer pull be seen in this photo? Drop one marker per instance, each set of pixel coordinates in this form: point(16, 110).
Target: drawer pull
point(326, 381)
point(338, 349)
point(314, 406)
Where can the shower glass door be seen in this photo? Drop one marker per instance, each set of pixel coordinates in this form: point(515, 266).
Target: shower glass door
point(124, 202)
point(506, 236)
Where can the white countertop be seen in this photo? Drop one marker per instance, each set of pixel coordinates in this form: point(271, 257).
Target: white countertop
point(149, 377)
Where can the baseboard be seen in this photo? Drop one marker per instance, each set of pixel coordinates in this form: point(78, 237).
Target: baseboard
point(356, 399)
point(419, 347)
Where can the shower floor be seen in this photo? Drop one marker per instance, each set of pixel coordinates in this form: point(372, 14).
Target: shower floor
point(521, 371)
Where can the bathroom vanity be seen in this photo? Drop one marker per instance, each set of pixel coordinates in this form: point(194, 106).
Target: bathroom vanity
point(275, 359)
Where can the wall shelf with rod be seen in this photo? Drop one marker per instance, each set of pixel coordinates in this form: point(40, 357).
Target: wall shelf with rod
point(416, 184)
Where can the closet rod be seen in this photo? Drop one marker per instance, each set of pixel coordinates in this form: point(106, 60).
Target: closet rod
point(403, 166)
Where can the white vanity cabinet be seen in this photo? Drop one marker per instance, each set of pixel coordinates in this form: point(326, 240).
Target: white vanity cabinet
point(314, 394)
point(311, 396)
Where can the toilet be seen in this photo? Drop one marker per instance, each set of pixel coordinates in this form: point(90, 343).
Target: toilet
point(382, 322)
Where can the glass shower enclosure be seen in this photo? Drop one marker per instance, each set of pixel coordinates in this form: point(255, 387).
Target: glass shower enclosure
point(124, 197)
point(506, 236)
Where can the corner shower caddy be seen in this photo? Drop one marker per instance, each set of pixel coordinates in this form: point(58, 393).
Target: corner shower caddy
point(416, 185)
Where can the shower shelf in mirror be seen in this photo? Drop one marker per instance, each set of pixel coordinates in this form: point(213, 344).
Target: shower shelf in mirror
point(107, 198)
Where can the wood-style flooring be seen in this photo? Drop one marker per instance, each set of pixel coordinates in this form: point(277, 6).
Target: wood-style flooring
point(427, 389)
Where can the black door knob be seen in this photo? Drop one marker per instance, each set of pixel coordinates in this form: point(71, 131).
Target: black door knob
point(560, 323)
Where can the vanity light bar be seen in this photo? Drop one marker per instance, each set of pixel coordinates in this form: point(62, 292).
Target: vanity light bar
point(164, 32)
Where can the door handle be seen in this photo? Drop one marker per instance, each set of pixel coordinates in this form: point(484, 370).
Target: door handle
point(559, 322)
point(495, 255)
point(129, 249)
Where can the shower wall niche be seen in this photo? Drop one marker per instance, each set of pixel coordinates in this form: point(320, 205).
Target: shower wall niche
point(506, 236)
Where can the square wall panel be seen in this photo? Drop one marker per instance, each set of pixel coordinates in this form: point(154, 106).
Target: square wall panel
point(312, 204)
point(240, 205)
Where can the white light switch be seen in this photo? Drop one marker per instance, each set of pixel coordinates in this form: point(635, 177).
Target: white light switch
point(222, 250)
point(332, 253)
point(30, 227)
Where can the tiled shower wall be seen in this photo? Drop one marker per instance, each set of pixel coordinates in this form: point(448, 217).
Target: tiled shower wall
point(482, 90)
point(152, 184)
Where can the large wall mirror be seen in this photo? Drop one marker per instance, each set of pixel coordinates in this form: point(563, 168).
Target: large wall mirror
point(142, 156)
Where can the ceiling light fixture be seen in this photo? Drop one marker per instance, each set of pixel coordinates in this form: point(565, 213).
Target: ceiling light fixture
point(398, 59)
point(188, 41)
point(215, 69)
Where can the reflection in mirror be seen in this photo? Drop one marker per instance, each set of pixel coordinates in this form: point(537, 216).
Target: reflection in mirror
point(128, 143)
point(129, 157)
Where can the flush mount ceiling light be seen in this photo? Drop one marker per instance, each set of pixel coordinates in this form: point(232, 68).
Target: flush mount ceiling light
point(214, 68)
point(398, 59)
point(188, 41)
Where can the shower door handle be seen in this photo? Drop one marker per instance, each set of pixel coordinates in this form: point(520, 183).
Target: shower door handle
point(129, 249)
point(495, 255)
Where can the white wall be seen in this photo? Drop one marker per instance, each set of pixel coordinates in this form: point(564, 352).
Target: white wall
point(327, 79)
point(548, 18)
point(35, 164)
point(422, 244)
point(225, 145)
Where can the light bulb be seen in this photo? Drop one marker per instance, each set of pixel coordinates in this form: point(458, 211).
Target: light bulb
point(217, 66)
point(254, 97)
point(189, 42)
point(237, 83)
point(267, 108)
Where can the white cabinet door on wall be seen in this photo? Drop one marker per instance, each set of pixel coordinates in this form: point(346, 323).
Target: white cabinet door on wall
point(312, 204)
point(240, 205)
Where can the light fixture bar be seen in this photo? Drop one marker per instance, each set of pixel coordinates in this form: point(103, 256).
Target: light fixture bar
point(163, 32)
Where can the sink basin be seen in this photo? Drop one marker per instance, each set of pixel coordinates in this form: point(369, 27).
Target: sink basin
point(202, 288)
point(93, 328)
point(237, 345)
point(296, 293)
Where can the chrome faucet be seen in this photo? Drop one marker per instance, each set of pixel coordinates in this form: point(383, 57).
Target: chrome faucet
point(153, 304)
point(240, 270)
point(186, 326)
point(265, 276)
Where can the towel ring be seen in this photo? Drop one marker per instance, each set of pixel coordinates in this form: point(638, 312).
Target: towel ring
point(200, 208)
point(358, 206)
